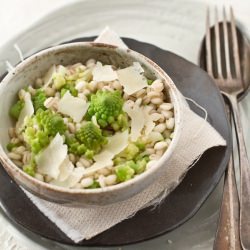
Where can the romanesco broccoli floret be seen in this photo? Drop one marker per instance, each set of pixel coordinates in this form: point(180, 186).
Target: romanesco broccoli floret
point(91, 136)
point(15, 110)
point(74, 146)
point(125, 171)
point(41, 127)
point(106, 106)
point(38, 100)
point(50, 122)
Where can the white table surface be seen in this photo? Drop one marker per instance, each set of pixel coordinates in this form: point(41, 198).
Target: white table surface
point(16, 15)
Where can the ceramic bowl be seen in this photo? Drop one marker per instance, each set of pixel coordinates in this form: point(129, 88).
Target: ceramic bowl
point(36, 66)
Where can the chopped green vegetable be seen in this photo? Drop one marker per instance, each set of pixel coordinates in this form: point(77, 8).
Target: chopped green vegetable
point(41, 127)
point(106, 106)
point(16, 109)
point(94, 185)
point(130, 152)
point(150, 81)
point(70, 88)
point(140, 166)
point(59, 81)
point(125, 171)
point(10, 146)
point(30, 169)
point(38, 100)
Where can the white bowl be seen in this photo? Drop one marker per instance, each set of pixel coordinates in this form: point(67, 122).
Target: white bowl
point(36, 66)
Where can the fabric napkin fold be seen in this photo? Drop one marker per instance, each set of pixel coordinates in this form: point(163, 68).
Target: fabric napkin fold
point(85, 223)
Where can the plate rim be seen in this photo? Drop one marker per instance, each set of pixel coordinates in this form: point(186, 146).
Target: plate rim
point(185, 219)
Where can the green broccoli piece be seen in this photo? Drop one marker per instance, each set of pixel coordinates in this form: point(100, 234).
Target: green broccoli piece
point(106, 106)
point(94, 185)
point(30, 168)
point(70, 88)
point(130, 152)
point(140, 166)
point(11, 145)
point(91, 136)
point(58, 81)
point(16, 109)
point(125, 171)
point(149, 81)
point(41, 127)
point(140, 144)
point(38, 99)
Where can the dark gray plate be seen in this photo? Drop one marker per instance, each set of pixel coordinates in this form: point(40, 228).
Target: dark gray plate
point(181, 204)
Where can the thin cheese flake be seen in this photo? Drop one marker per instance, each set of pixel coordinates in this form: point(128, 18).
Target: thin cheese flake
point(72, 180)
point(132, 79)
point(103, 73)
point(74, 107)
point(149, 122)
point(66, 169)
point(27, 111)
point(103, 159)
point(51, 158)
point(117, 142)
point(49, 76)
point(136, 115)
point(115, 145)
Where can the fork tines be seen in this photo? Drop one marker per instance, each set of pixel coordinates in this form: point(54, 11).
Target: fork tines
point(226, 41)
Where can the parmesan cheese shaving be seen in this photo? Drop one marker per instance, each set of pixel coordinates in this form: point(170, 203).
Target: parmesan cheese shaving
point(72, 180)
point(49, 76)
point(137, 66)
point(136, 115)
point(66, 169)
point(104, 159)
point(103, 73)
point(51, 158)
point(132, 79)
point(115, 145)
point(149, 122)
point(74, 107)
point(27, 111)
point(117, 142)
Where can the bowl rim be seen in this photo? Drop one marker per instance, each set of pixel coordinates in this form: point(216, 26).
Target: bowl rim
point(172, 89)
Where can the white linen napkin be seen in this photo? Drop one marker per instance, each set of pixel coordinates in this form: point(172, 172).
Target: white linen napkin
point(85, 223)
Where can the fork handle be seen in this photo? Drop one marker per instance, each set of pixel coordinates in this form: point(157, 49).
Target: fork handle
point(244, 178)
point(227, 234)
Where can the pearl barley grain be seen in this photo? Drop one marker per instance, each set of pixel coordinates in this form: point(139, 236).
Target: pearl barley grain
point(156, 100)
point(110, 180)
point(157, 85)
point(166, 106)
point(167, 114)
point(161, 145)
point(86, 182)
point(170, 123)
point(160, 128)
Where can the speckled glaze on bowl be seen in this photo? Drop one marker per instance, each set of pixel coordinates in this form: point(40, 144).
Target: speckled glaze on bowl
point(36, 66)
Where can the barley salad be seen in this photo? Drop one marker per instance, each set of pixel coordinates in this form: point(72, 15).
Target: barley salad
point(90, 125)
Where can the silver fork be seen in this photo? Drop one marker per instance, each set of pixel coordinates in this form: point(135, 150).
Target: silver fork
point(232, 86)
